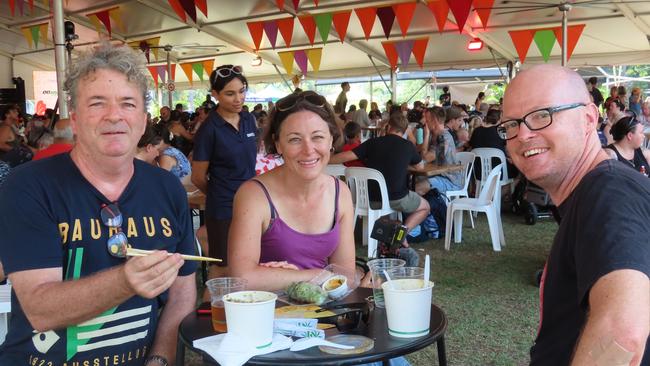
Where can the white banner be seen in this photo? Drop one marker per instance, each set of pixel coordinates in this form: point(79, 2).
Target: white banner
point(45, 91)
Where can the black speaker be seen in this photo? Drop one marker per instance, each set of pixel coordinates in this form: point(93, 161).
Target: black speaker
point(10, 96)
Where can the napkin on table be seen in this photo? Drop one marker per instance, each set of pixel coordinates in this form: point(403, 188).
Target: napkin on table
point(231, 350)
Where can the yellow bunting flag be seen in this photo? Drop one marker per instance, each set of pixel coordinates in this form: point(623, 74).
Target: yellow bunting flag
point(28, 36)
point(314, 56)
point(187, 68)
point(116, 15)
point(43, 30)
point(96, 23)
point(287, 61)
point(154, 42)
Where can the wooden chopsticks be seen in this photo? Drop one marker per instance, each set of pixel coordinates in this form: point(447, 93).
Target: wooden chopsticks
point(133, 252)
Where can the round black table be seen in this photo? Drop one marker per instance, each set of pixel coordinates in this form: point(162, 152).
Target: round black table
point(386, 346)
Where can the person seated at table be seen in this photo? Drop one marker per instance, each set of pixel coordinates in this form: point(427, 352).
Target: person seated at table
point(352, 133)
point(463, 139)
point(273, 241)
point(392, 155)
point(615, 111)
point(156, 150)
point(627, 148)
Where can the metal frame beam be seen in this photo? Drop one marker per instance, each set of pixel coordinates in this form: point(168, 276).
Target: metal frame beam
point(629, 14)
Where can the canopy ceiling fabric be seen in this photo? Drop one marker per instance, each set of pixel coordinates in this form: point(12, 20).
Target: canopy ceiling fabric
point(616, 33)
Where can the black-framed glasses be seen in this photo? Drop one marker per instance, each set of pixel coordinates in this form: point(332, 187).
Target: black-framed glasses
point(112, 217)
point(535, 120)
point(227, 70)
point(291, 100)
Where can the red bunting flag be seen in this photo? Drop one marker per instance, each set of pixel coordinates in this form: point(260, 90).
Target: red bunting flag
point(31, 6)
point(404, 13)
point(440, 10)
point(574, 33)
point(296, 3)
point(178, 9)
point(280, 4)
point(256, 30)
point(12, 7)
point(522, 40)
point(460, 9)
point(154, 74)
point(21, 7)
point(483, 9)
point(419, 49)
point(286, 29)
point(104, 18)
point(391, 53)
point(387, 18)
point(341, 21)
point(309, 26)
point(366, 17)
point(203, 6)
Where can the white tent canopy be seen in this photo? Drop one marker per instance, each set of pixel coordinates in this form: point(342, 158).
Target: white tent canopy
point(616, 32)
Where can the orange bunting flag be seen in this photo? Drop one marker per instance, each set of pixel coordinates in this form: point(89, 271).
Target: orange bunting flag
point(404, 13)
point(286, 29)
point(419, 49)
point(460, 9)
point(256, 30)
point(391, 53)
point(366, 17)
point(309, 26)
point(440, 10)
point(574, 33)
point(341, 21)
point(522, 40)
point(154, 74)
point(116, 17)
point(178, 9)
point(187, 69)
point(483, 9)
point(208, 66)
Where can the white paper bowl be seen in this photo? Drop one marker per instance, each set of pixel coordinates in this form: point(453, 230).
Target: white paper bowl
point(337, 292)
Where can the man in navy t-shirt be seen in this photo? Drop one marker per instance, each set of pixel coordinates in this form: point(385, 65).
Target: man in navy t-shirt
point(65, 221)
point(595, 292)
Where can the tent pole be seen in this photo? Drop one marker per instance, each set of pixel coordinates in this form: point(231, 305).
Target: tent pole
point(283, 79)
point(393, 86)
point(170, 81)
point(564, 8)
point(426, 82)
point(59, 57)
point(379, 73)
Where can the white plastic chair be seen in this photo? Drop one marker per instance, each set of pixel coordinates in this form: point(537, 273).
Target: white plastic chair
point(487, 202)
point(337, 170)
point(5, 310)
point(467, 161)
point(359, 178)
point(486, 154)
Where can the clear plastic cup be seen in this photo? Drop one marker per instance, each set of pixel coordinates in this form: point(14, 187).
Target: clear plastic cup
point(377, 267)
point(219, 287)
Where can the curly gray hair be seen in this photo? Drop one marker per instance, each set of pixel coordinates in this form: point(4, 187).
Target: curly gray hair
point(108, 56)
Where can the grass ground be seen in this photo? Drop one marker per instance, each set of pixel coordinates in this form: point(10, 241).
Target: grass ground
point(489, 298)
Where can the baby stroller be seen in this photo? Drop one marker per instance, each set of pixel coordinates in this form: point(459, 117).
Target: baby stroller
point(532, 201)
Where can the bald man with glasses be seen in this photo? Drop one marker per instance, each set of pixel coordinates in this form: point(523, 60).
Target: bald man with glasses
point(595, 292)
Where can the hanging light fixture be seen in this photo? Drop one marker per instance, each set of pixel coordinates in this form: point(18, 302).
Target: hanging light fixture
point(257, 61)
point(475, 45)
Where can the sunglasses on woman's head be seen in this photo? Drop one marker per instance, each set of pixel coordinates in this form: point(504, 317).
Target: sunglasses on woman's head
point(292, 100)
point(227, 70)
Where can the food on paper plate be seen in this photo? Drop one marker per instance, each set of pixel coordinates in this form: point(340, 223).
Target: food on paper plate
point(306, 292)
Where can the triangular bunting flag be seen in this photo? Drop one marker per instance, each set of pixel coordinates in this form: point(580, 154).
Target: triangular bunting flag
point(154, 74)
point(404, 49)
point(391, 53)
point(522, 40)
point(309, 26)
point(574, 32)
point(144, 47)
point(341, 21)
point(178, 9)
point(35, 34)
point(42, 29)
point(153, 43)
point(545, 39)
point(419, 49)
point(287, 61)
point(198, 69)
point(271, 30)
point(440, 10)
point(324, 24)
point(483, 9)
point(387, 18)
point(173, 68)
point(21, 8)
point(188, 6)
point(314, 55)
point(366, 17)
point(12, 7)
point(31, 6)
point(105, 19)
point(301, 60)
point(256, 30)
point(208, 66)
point(460, 9)
point(286, 29)
point(296, 4)
point(27, 33)
point(316, 2)
point(116, 16)
point(187, 69)
point(404, 13)
point(203, 6)
point(96, 23)
point(162, 72)
point(280, 4)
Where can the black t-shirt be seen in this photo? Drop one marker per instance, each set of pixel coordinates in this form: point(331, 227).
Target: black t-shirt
point(391, 155)
point(50, 218)
point(597, 95)
point(604, 228)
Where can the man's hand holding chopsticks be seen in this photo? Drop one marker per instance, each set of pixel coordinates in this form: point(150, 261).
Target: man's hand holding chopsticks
point(150, 275)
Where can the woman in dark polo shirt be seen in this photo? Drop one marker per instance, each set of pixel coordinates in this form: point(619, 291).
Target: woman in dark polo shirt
point(224, 157)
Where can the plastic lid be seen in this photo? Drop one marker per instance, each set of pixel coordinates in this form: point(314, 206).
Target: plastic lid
point(360, 343)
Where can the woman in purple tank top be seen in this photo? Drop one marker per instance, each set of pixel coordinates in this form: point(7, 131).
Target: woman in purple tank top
point(293, 221)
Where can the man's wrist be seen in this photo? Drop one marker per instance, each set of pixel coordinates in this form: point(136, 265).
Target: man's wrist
point(155, 360)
